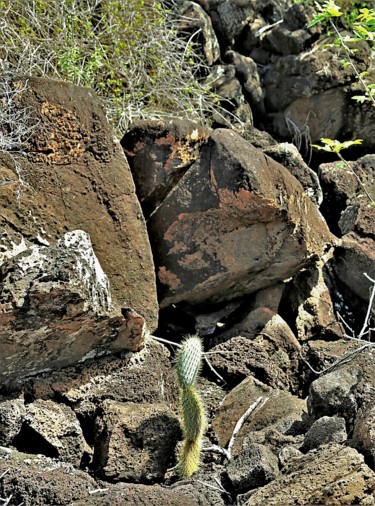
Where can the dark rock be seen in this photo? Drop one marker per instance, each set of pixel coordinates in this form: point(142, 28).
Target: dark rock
point(235, 223)
point(196, 489)
point(159, 153)
point(247, 73)
point(56, 309)
point(76, 177)
point(289, 156)
point(135, 442)
point(253, 467)
point(345, 204)
point(194, 19)
point(333, 474)
point(354, 258)
point(328, 429)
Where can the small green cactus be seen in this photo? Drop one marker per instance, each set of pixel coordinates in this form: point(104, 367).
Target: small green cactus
point(188, 365)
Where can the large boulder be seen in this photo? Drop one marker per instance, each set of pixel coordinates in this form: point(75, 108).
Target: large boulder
point(66, 295)
point(56, 309)
point(236, 222)
point(75, 176)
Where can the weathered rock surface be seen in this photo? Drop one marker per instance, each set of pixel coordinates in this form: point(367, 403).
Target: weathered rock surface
point(283, 412)
point(159, 153)
point(253, 467)
point(136, 495)
point(55, 429)
point(56, 308)
point(12, 412)
point(288, 155)
point(236, 222)
point(37, 480)
point(145, 376)
point(135, 442)
point(76, 177)
point(331, 475)
point(271, 356)
point(309, 302)
point(344, 389)
point(328, 429)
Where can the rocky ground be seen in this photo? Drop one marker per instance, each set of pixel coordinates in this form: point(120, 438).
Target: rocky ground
point(240, 235)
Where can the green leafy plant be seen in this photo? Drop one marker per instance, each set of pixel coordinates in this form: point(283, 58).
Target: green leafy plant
point(128, 51)
point(193, 419)
point(361, 21)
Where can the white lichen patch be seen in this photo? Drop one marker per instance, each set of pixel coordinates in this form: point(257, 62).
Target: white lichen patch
point(89, 269)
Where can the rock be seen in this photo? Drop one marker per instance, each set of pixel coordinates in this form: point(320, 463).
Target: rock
point(145, 376)
point(159, 153)
point(328, 429)
point(56, 309)
point(344, 203)
point(37, 480)
point(247, 74)
point(288, 155)
point(76, 178)
point(343, 390)
point(122, 494)
point(287, 453)
point(12, 412)
point(227, 84)
point(309, 302)
point(196, 489)
point(354, 257)
point(301, 90)
point(52, 429)
point(364, 432)
point(253, 467)
point(193, 19)
point(271, 356)
point(320, 355)
point(282, 411)
point(235, 223)
point(135, 442)
point(359, 219)
point(331, 475)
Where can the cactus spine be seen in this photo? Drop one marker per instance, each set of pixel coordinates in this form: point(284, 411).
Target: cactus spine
point(188, 365)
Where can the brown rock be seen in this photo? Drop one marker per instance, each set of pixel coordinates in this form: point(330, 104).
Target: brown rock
point(145, 376)
point(331, 475)
point(271, 356)
point(282, 411)
point(56, 309)
point(55, 428)
point(235, 223)
point(135, 442)
point(364, 432)
point(78, 178)
point(40, 481)
point(122, 494)
point(352, 259)
point(159, 153)
point(12, 412)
